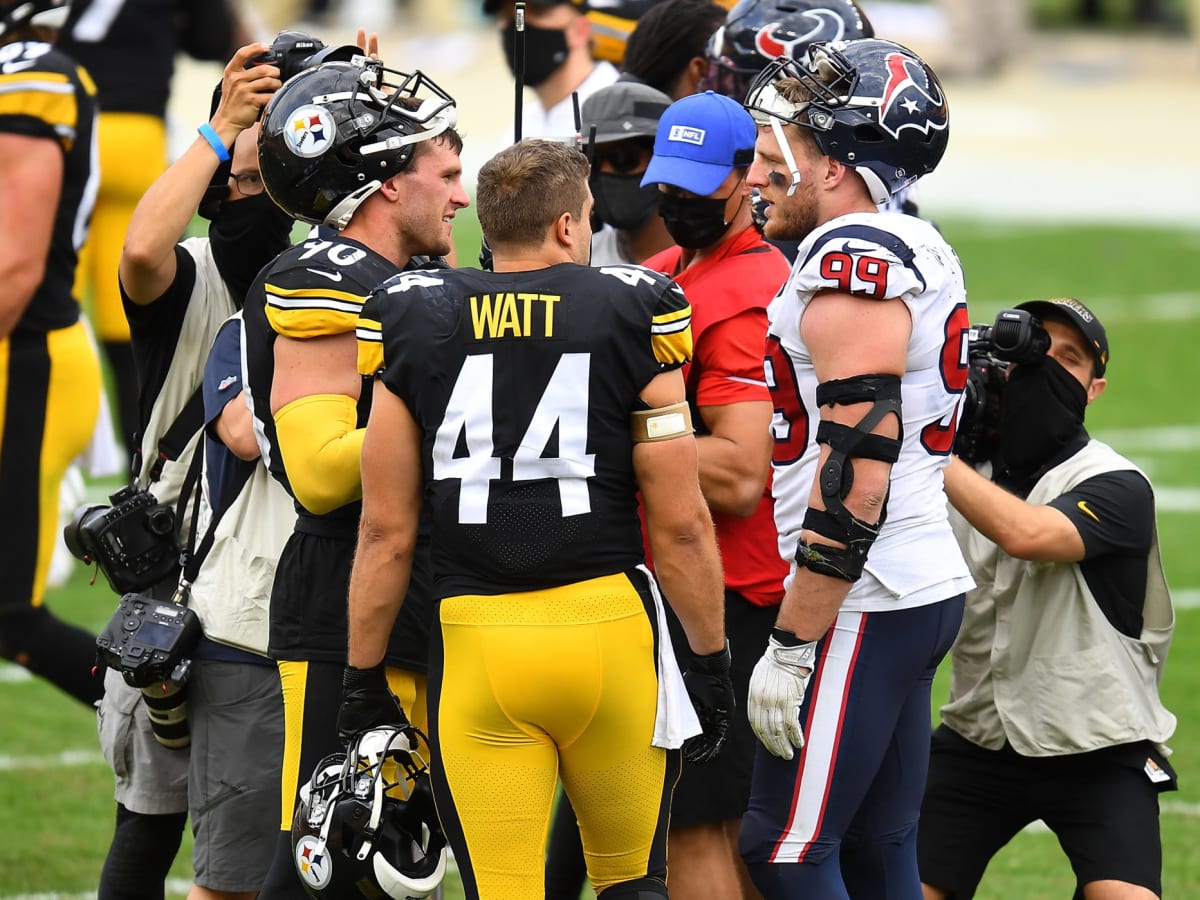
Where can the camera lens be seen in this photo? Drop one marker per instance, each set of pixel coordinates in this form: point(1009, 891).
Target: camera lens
point(160, 520)
point(75, 534)
point(166, 708)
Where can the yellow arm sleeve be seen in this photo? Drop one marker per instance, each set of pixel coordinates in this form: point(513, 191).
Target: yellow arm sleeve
point(321, 450)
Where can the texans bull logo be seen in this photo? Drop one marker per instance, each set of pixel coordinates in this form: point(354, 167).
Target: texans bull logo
point(910, 99)
point(775, 40)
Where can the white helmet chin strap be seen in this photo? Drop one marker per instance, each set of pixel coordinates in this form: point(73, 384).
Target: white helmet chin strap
point(776, 110)
point(786, 149)
point(341, 214)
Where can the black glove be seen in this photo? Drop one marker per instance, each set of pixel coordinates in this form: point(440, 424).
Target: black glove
point(367, 702)
point(711, 691)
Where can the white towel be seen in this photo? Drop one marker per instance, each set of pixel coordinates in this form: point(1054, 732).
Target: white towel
point(675, 719)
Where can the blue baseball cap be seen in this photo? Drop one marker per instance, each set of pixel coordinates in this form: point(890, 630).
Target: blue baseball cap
point(700, 140)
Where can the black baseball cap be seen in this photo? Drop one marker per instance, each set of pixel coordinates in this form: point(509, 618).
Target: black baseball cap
point(1082, 318)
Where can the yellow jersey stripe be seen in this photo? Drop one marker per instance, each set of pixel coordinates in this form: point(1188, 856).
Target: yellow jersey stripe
point(674, 348)
point(370, 346)
point(41, 95)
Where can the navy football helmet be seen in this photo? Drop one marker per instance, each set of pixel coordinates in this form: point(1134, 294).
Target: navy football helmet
point(334, 133)
point(757, 32)
point(366, 824)
point(874, 105)
point(34, 13)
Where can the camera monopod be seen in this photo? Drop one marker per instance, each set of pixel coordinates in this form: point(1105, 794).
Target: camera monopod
point(519, 56)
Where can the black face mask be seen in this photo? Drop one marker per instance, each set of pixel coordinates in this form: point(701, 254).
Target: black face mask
point(621, 201)
point(1041, 411)
point(246, 235)
point(545, 51)
point(693, 222)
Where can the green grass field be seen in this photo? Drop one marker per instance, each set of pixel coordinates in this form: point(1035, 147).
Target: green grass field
point(56, 805)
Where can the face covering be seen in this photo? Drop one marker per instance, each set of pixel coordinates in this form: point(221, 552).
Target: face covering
point(693, 222)
point(1041, 410)
point(545, 51)
point(620, 200)
point(246, 235)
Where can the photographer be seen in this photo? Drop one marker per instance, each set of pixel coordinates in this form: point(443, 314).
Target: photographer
point(176, 297)
point(1054, 711)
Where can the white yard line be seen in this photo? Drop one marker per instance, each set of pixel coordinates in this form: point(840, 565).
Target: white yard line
point(64, 758)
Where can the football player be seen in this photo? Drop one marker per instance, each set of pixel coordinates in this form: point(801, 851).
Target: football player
point(866, 362)
point(49, 372)
point(523, 408)
point(376, 165)
point(130, 48)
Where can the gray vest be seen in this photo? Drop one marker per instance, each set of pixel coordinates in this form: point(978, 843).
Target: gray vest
point(1037, 663)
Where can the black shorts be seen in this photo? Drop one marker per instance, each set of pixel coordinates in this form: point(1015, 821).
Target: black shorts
point(308, 603)
point(720, 790)
point(1102, 806)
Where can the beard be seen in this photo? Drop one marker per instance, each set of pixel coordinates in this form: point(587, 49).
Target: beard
point(795, 217)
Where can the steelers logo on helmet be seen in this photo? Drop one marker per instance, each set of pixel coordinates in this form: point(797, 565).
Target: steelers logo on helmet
point(310, 131)
point(312, 863)
point(334, 133)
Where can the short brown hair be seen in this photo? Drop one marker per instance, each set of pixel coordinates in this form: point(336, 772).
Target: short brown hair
point(523, 189)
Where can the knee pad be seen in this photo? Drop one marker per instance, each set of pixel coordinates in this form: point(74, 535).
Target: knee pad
point(638, 889)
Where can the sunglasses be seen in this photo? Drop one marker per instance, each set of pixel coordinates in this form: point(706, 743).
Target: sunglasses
point(623, 156)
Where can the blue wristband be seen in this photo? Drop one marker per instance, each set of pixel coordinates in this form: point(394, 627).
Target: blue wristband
point(206, 132)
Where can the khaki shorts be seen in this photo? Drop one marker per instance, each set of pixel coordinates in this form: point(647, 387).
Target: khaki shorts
point(150, 779)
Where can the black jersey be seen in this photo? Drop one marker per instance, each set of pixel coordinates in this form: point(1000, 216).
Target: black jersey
point(523, 385)
point(313, 289)
point(129, 46)
point(43, 93)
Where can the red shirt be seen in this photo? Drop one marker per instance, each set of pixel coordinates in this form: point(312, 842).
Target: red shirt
point(729, 292)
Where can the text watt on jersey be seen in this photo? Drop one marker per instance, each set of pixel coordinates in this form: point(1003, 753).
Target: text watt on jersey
point(511, 315)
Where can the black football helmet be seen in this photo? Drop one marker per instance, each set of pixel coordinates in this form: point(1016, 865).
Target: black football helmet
point(612, 22)
point(759, 31)
point(366, 824)
point(16, 14)
point(876, 106)
point(334, 133)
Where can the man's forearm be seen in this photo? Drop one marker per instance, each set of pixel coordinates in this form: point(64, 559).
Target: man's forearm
point(378, 584)
point(811, 604)
point(689, 570)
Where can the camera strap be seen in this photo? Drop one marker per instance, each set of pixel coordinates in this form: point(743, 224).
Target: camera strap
point(193, 555)
point(173, 441)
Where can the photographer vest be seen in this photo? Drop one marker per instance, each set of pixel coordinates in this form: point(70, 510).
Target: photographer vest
point(208, 306)
point(232, 591)
point(1036, 661)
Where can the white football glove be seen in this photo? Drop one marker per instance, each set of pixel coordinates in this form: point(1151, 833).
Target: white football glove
point(776, 693)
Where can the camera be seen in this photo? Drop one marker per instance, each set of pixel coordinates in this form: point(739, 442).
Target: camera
point(1017, 336)
point(133, 541)
point(294, 51)
point(148, 641)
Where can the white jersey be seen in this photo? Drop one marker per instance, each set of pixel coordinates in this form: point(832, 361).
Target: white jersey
point(915, 560)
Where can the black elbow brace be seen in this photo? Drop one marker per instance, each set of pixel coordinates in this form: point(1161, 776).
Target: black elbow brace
point(836, 477)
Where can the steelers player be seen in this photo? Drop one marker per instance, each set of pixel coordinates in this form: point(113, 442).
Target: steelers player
point(129, 48)
point(528, 405)
point(383, 193)
point(49, 373)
